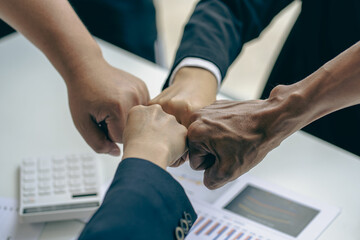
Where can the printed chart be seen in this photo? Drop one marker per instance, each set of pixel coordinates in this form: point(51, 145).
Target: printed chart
point(214, 224)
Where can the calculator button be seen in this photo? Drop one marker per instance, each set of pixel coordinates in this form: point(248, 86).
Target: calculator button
point(44, 176)
point(75, 190)
point(59, 191)
point(28, 177)
point(74, 166)
point(88, 164)
point(28, 169)
point(29, 162)
point(59, 175)
point(59, 183)
point(74, 174)
point(44, 164)
point(87, 158)
point(29, 186)
point(29, 194)
point(44, 193)
point(89, 172)
point(90, 189)
point(72, 158)
point(74, 182)
point(28, 200)
point(59, 168)
point(57, 160)
point(90, 181)
point(44, 185)
point(44, 170)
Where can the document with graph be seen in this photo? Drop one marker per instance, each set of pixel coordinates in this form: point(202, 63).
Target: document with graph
point(252, 209)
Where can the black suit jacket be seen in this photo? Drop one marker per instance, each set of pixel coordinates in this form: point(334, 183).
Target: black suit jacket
point(143, 202)
point(218, 29)
point(129, 24)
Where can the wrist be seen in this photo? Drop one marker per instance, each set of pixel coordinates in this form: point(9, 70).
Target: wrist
point(81, 64)
point(158, 154)
point(195, 76)
point(286, 111)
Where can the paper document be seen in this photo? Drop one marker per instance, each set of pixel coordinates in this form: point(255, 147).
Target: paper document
point(10, 228)
point(252, 209)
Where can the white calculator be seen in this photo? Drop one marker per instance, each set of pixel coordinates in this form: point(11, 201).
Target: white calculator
point(59, 188)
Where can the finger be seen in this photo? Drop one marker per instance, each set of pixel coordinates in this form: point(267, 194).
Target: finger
point(154, 100)
point(181, 160)
point(220, 173)
point(199, 156)
point(145, 95)
point(96, 138)
point(159, 99)
point(115, 127)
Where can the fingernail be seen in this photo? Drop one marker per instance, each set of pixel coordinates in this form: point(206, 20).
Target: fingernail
point(115, 152)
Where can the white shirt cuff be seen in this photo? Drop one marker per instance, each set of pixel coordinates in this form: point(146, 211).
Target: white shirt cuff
point(197, 62)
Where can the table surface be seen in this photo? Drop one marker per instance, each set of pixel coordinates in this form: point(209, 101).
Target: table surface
point(35, 121)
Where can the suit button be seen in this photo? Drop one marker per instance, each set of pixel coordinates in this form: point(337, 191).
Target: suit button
point(179, 233)
point(188, 218)
point(184, 225)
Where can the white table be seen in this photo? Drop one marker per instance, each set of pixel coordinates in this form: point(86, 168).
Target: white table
point(35, 120)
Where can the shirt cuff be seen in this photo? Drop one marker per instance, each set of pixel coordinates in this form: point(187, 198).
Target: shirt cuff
point(200, 63)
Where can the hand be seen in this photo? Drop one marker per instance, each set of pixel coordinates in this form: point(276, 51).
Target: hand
point(154, 135)
point(193, 88)
point(104, 94)
point(228, 138)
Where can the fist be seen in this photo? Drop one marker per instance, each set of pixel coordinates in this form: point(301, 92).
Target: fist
point(154, 135)
point(104, 96)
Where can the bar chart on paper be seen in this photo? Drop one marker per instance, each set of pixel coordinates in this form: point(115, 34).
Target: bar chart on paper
point(252, 209)
point(213, 225)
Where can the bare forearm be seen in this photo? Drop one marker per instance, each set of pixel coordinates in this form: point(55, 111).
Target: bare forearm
point(55, 29)
point(334, 86)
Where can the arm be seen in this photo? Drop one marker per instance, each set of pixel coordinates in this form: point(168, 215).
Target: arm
point(228, 138)
point(218, 29)
point(216, 33)
point(144, 201)
point(97, 91)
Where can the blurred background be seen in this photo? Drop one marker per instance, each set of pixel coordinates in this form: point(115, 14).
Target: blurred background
point(248, 74)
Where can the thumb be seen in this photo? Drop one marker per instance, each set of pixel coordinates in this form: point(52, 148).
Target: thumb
point(199, 158)
point(181, 160)
point(96, 138)
point(115, 127)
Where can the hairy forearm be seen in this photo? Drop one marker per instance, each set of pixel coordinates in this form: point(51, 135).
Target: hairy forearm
point(334, 86)
point(56, 30)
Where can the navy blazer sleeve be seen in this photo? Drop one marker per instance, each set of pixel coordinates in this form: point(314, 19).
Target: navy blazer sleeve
point(218, 29)
point(143, 202)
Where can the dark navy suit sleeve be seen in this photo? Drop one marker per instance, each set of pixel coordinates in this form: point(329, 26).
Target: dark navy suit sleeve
point(143, 202)
point(218, 29)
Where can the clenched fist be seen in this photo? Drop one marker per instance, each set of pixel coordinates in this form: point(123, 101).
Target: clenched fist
point(104, 95)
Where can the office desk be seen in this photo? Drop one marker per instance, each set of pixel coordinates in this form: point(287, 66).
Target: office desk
point(35, 120)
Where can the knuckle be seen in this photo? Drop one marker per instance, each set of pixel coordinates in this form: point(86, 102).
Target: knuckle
point(117, 107)
point(136, 109)
point(197, 129)
point(170, 117)
point(156, 108)
point(194, 116)
point(223, 174)
point(182, 130)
